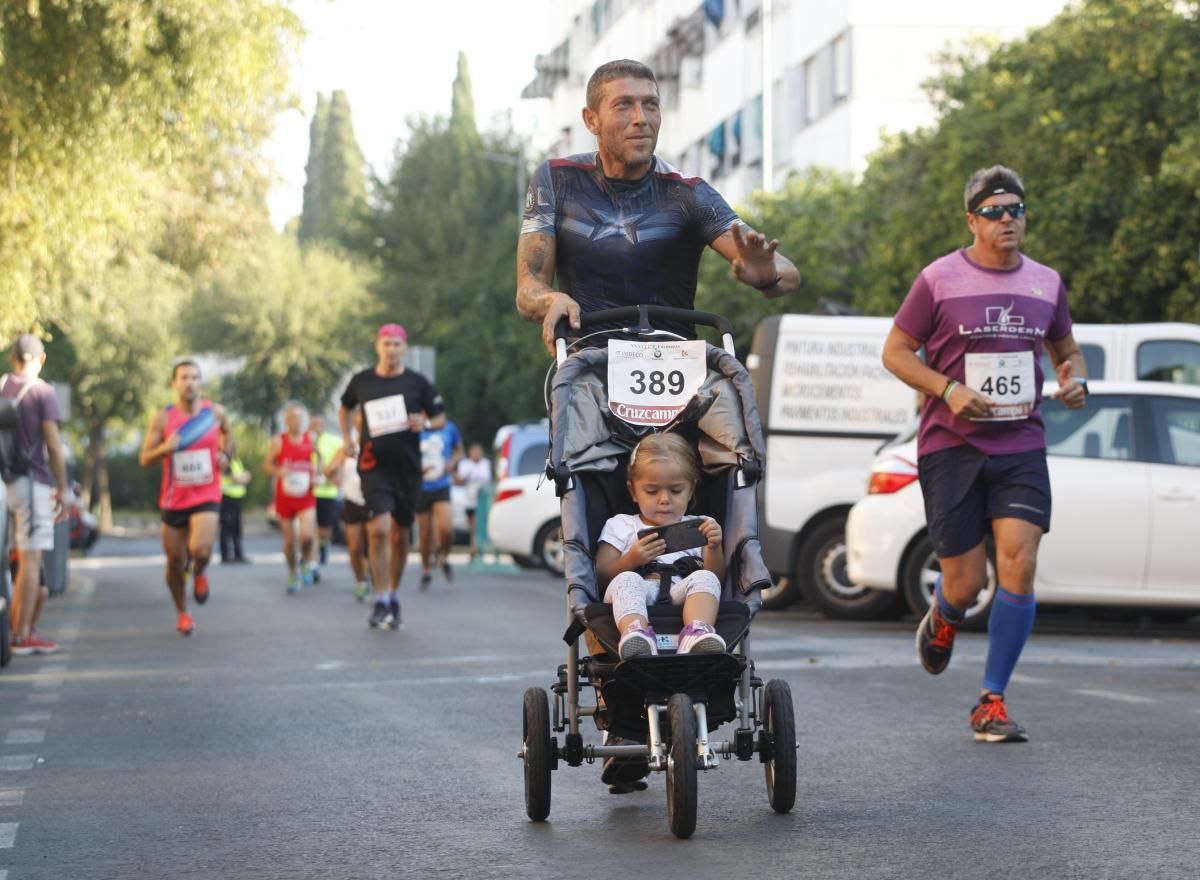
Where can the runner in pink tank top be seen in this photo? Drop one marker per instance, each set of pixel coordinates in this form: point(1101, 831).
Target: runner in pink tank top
point(291, 462)
point(191, 438)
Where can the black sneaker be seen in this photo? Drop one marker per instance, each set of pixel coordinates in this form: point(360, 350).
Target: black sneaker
point(622, 772)
point(935, 641)
point(381, 616)
point(426, 580)
point(990, 721)
point(447, 572)
point(394, 613)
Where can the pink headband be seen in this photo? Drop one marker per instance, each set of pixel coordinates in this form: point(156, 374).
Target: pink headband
point(388, 330)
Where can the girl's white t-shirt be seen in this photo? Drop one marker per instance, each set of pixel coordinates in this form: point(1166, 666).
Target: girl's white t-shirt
point(621, 533)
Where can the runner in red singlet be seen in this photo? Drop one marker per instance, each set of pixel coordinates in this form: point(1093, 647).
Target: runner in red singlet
point(192, 439)
point(291, 462)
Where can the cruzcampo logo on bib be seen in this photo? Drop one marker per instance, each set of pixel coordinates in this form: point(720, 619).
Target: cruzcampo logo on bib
point(650, 383)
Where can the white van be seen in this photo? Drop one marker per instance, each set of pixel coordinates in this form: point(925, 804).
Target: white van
point(827, 404)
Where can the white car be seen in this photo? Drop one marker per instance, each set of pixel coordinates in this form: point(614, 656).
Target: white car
point(1125, 479)
point(524, 516)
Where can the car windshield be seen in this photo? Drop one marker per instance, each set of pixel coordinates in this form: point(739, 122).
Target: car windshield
point(532, 460)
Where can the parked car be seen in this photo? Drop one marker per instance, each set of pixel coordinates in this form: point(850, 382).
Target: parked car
point(1125, 479)
point(524, 516)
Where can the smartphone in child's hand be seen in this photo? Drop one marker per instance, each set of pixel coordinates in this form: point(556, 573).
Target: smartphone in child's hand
point(683, 535)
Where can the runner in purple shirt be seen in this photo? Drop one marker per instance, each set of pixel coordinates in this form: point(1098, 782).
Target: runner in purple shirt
point(984, 314)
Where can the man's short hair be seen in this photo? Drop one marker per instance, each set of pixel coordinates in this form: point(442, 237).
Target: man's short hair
point(998, 177)
point(611, 70)
point(186, 362)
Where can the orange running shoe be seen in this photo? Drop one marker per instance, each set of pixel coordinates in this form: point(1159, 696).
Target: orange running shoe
point(935, 641)
point(185, 625)
point(200, 589)
point(990, 721)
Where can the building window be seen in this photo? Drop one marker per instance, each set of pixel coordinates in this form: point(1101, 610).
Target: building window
point(841, 68)
point(812, 91)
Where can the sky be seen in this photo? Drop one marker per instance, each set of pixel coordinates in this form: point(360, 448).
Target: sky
point(398, 58)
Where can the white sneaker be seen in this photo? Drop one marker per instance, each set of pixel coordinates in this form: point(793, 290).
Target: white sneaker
point(638, 643)
point(700, 638)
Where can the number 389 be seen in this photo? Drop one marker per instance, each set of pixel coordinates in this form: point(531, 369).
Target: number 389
point(657, 382)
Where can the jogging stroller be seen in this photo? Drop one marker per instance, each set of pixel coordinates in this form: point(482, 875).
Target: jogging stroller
point(663, 706)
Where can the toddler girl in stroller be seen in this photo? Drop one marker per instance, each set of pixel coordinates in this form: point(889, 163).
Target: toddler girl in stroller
point(634, 565)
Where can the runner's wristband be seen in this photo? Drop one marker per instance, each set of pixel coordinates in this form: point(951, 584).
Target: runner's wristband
point(768, 285)
point(950, 386)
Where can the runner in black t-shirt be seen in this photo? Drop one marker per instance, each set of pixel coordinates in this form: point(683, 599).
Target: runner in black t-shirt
point(395, 404)
point(622, 227)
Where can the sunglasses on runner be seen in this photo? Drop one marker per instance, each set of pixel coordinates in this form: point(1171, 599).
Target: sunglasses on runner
point(995, 212)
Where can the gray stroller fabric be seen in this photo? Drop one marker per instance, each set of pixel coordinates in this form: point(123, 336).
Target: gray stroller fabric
point(587, 439)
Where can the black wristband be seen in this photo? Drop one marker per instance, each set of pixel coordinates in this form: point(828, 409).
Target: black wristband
point(769, 285)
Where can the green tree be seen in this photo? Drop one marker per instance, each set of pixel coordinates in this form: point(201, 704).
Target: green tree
point(291, 317)
point(335, 189)
point(443, 232)
point(115, 353)
point(1098, 112)
point(815, 220)
point(129, 126)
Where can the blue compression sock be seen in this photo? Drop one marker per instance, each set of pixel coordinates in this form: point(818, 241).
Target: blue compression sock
point(1008, 629)
point(949, 612)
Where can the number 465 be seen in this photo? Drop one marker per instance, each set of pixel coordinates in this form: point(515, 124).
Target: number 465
point(1003, 386)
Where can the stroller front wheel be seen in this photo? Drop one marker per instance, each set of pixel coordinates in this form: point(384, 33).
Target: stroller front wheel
point(681, 766)
point(779, 722)
point(538, 754)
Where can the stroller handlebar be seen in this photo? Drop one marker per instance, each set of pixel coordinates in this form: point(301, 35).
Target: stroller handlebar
point(642, 315)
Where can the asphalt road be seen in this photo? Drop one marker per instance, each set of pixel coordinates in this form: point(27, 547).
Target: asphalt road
point(285, 740)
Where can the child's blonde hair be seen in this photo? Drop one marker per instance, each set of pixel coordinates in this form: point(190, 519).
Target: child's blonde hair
point(669, 448)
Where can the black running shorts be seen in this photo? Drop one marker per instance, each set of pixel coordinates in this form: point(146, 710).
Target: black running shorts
point(392, 492)
point(327, 512)
point(354, 514)
point(965, 490)
point(428, 499)
point(178, 519)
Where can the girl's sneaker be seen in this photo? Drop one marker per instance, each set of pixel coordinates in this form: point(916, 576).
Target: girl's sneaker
point(184, 624)
point(700, 638)
point(310, 575)
point(361, 591)
point(639, 642)
point(293, 585)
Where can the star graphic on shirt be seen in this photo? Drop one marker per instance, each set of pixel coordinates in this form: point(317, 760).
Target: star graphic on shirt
point(623, 224)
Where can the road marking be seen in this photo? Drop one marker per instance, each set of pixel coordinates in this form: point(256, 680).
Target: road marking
point(25, 736)
point(1116, 695)
point(33, 717)
point(44, 698)
point(1022, 678)
point(14, 763)
point(331, 665)
point(11, 797)
point(49, 682)
point(8, 835)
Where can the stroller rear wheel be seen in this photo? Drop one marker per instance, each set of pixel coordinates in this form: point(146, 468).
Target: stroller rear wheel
point(779, 722)
point(681, 766)
point(538, 753)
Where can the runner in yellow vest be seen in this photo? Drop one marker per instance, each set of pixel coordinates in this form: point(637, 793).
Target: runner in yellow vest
point(328, 503)
point(234, 480)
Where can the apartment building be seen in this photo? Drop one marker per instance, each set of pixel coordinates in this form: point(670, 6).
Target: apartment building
point(841, 73)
